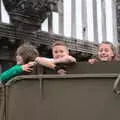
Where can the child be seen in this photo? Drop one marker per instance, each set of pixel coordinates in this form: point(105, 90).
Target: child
point(106, 53)
point(24, 54)
point(60, 55)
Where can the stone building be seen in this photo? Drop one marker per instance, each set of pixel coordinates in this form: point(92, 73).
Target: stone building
point(27, 17)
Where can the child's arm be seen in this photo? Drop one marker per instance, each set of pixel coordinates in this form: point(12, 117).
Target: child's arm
point(66, 59)
point(14, 71)
point(51, 63)
point(45, 62)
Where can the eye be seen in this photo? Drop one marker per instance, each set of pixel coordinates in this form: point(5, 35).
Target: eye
point(61, 51)
point(56, 51)
point(106, 50)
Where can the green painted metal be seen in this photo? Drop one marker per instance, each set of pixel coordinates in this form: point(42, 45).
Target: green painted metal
point(87, 94)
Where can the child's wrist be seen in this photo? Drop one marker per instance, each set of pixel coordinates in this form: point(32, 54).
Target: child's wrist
point(55, 61)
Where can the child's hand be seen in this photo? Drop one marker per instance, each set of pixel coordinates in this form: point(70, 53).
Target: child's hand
point(32, 64)
point(27, 68)
point(61, 71)
point(71, 59)
point(92, 61)
point(39, 60)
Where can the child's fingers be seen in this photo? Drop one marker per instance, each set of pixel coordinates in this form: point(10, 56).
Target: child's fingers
point(27, 68)
point(92, 61)
point(70, 59)
point(32, 64)
point(73, 59)
point(61, 71)
point(38, 59)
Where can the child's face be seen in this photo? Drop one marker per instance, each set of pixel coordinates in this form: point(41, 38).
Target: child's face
point(19, 60)
point(105, 52)
point(59, 51)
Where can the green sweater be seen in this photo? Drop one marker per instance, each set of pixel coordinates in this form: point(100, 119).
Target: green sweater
point(10, 73)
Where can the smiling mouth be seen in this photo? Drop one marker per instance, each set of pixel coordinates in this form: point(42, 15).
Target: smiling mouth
point(104, 56)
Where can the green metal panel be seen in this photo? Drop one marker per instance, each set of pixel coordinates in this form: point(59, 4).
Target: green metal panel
point(2, 102)
point(85, 67)
point(86, 93)
point(52, 97)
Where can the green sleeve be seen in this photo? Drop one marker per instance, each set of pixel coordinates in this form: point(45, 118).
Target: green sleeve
point(10, 73)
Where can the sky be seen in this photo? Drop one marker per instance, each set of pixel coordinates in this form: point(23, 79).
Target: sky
point(67, 20)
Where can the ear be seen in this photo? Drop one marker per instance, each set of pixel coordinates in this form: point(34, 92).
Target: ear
point(113, 54)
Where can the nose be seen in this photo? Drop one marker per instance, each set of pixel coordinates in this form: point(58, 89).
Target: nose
point(103, 52)
point(58, 56)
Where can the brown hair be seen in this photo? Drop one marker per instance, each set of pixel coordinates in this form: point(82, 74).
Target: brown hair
point(58, 43)
point(28, 52)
